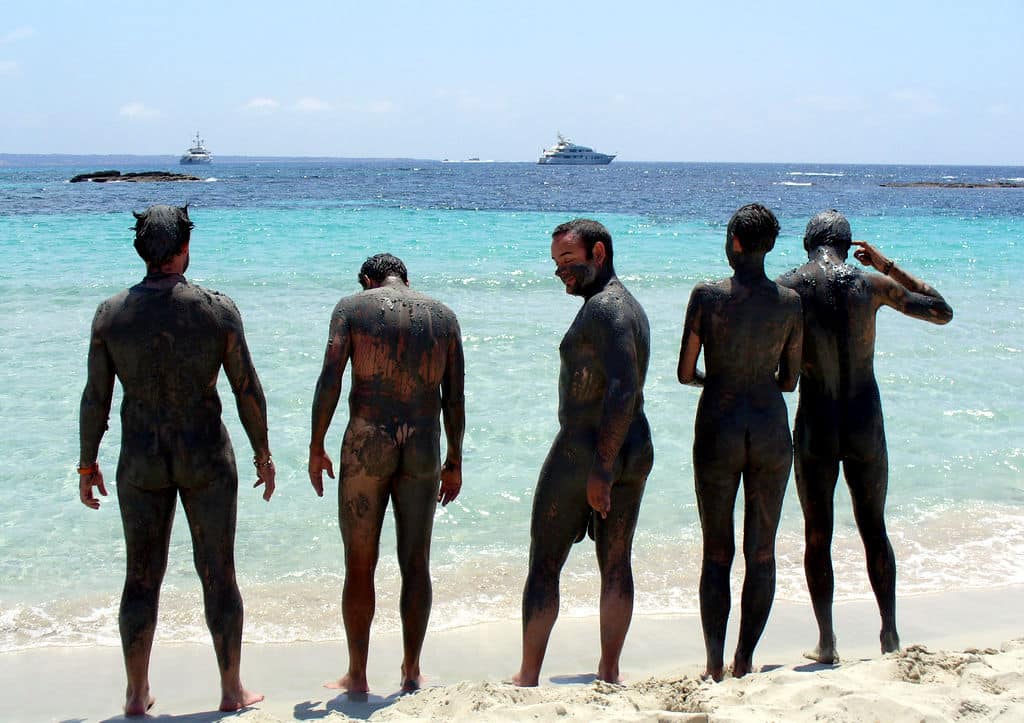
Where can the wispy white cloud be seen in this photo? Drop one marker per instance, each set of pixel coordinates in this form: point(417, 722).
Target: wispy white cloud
point(8, 66)
point(261, 105)
point(311, 105)
point(16, 34)
point(138, 111)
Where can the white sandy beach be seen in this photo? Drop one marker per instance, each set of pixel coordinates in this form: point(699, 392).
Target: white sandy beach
point(963, 657)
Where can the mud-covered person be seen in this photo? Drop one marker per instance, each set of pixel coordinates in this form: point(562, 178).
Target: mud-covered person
point(839, 415)
point(598, 464)
point(405, 350)
point(166, 341)
point(750, 331)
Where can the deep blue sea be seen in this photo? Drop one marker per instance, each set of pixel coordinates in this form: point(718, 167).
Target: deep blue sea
point(285, 240)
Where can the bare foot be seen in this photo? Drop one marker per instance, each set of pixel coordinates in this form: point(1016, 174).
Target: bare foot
point(412, 680)
point(522, 680)
point(713, 674)
point(825, 654)
point(741, 667)
point(138, 704)
point(411, 685)
point(890, 641)
point(239, 699)
point(349, 683)
point(611, 675)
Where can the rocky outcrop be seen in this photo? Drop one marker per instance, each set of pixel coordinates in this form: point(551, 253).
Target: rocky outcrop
point(955, 184)
point(142, 177)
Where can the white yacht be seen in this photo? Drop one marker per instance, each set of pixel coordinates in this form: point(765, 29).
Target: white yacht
point(567, 153)
point(196, 154)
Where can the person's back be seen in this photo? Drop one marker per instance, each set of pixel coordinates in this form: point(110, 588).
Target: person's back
point(399, 349)
point(839, 416)
point(750, 331)
point(167, 340)
point(732, 316)
point(405, 350)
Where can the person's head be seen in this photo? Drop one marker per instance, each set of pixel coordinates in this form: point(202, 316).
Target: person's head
point(378, 268)
point(581, 249)
point(161, 233)
point(755, 228)
point(828, 228)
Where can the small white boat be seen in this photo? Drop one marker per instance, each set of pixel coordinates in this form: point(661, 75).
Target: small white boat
point(567, 153)
point(196, 154)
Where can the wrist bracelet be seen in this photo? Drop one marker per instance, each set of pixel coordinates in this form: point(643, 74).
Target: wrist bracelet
point(888, 267)
point(91, 469)
point(262, 465)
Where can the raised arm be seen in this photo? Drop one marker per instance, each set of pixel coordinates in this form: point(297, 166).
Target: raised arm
point(325, 399)
point(689, 348)
point(453, 410)
point(93, 414)
point(789, 362)
point(252, 405)
point(610, 326)
point(903, 292)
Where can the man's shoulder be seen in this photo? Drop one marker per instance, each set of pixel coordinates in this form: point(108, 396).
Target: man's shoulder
point(218, 299)
point(709, 290)
point(614, 303)
point(787, 294)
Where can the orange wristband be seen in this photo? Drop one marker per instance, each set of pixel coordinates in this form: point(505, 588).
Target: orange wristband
point(91, 469)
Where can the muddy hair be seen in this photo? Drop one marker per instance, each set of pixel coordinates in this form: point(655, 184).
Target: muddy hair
point(161, 232)
point(828, 228)
point(755, 226)
point(379, 267)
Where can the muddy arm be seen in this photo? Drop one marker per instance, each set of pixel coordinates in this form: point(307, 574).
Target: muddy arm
point(453, 410)
point(689, 349)
point(328, 386)
point(99, 390)
point(902, 291)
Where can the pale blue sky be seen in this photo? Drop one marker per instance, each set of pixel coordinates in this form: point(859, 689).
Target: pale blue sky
point(861, 82)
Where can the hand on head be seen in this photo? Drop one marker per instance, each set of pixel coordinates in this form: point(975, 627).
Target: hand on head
point(870, 256)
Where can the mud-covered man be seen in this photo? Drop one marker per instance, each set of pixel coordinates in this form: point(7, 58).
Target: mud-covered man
point(166, 340)
point(405, 349)
point(750, 331)
point(839, 416)
point(598, 464)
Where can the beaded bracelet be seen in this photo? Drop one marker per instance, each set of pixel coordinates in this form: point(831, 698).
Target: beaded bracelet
point(262, 465)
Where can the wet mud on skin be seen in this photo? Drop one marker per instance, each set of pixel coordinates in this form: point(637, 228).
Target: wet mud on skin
point(166, 341)
point(749, 331)
point(603, 435)
point(839, 420)
point(407, 368)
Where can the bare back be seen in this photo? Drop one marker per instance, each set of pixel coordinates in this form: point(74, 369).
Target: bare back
point(399, 342)
point(167, 345)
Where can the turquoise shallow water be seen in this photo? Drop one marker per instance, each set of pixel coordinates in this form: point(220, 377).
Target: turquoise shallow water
point(950, 394)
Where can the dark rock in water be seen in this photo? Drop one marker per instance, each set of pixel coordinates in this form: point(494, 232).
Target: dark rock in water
point(142, 177)
point(955, 184)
